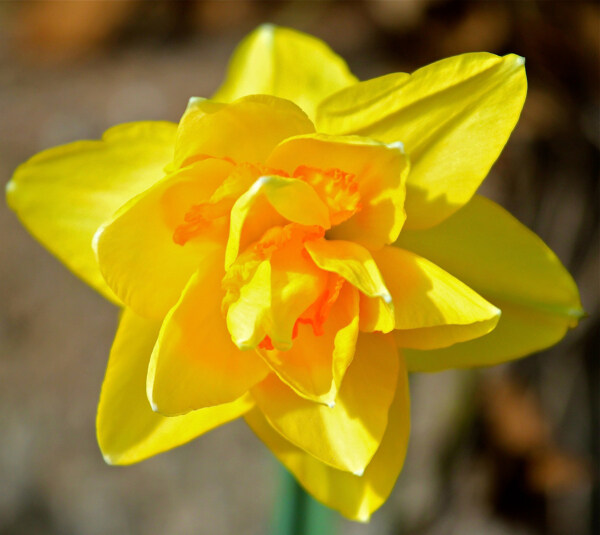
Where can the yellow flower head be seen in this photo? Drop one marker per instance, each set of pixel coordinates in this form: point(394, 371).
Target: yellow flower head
point(293, 248)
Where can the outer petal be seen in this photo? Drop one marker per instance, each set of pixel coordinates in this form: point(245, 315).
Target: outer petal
point(246, 130)
point(128, 430)
point(432, 308)
point(315, 365)
point(62, 195)
point(488, 249)
point(135, 249)
point(380, 170)
point(347, 435)
point(353, 496)
point(194, 363)
point(454, 117)
point(287, 64)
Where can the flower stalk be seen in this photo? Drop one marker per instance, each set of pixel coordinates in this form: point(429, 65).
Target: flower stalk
point(296, 513)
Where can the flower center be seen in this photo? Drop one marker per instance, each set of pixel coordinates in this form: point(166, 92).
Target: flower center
point(336, 188)
point(317, 313)
point(273, 286)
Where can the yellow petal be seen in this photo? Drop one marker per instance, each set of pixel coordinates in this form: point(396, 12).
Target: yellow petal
point(354, 497)
point(248, 316)
point(520, 332)
point(352, 262)
point(128, 431)
point(63, 195)
point(453, 116)
point(285, 63)
point(293, 199)
point(490, 251)
point(194, 363)
point(246, 130)
point(432, 308)
point(315, 365)
point(136, 250)
point(380, 172)
point(347, 435)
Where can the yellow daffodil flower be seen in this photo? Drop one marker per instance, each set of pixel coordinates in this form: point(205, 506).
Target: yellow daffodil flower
point(293, 248)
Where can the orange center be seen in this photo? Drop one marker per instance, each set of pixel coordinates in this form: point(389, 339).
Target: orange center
point(336, 188)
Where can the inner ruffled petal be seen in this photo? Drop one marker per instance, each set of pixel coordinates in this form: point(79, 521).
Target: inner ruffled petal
point(270, 285)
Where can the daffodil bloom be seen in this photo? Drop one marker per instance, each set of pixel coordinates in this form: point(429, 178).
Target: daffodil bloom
point(293, 248)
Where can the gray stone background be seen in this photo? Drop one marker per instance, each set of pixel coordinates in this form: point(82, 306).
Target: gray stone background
point(509, 450)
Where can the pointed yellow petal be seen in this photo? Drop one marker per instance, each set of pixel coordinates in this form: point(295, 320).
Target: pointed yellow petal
point(315, 365)
point(347, 435)
point(128, 431)
point(379, 170)
point(63, 195)
point(293, 199)
point(520, 332)
point(432, 308)
point(355, 497)
point(453, 116)
point(194, 363)
point(285, 63)
point(246, 130)
point(352, 262)
point(489, 250)
point(136, 250)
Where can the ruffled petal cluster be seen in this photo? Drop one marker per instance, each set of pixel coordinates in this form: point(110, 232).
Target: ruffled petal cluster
point(293, 248)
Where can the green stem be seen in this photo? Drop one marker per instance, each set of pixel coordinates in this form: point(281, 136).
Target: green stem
point(296, 513)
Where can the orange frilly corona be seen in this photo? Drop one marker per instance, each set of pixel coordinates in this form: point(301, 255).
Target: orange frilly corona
point(293, 248)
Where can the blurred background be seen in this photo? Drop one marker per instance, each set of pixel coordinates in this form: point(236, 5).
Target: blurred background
point(508, 450)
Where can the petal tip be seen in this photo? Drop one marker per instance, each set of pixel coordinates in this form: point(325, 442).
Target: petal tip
point(267, 27)
point(194, 101)
point(109, 459)
point(244, 345)
point(96, 240)
point(359, 473)
point(9, 190)
point(153, 404)
point(363, 517)
point(260, 182)
point(578, 313)
point(398, 145)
